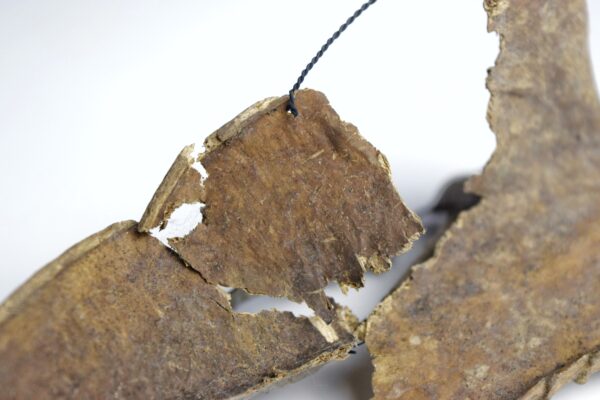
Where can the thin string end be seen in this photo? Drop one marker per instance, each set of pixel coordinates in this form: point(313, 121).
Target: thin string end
point(292, 101)
point(292, 105)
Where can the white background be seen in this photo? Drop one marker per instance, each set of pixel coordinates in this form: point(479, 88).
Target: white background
point(98, 97)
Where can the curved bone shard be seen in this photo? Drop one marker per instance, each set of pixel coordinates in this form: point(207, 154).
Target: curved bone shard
point(120, 316)
point(509, 307)
point(290, 204)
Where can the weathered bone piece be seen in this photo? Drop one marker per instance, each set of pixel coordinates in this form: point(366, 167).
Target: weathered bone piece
point(120, 316)
point(290, 204)
point(509, 307)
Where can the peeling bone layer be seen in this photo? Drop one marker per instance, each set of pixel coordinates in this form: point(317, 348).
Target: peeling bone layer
point(181, 185)
point(182, 221)
point(120, 315)
point(291, 204)
point(509, 307)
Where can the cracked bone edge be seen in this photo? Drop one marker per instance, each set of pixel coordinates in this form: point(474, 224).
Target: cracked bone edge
point(328, 331)
point(196, 154)
point(183, 184)
point(182, 221)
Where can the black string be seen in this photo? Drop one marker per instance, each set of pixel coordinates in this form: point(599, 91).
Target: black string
point(292, 103)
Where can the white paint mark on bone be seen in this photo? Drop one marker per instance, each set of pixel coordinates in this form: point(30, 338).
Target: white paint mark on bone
point(197, 150)
point(200, 168)
point(197, 165)
point(182, 221)
point(186, 217)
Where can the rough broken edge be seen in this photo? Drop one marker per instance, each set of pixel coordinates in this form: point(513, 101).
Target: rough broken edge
point(159, 210)
point(579, 371)
point(581, 368)
point(296, 374)
point(386, 305)
point(162, 206)
point(27, 291)
point(54, 268)
point(345, 320)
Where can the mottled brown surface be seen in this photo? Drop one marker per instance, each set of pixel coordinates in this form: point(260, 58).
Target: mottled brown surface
point(291, 204)
point(119, 316)
point(509, 307)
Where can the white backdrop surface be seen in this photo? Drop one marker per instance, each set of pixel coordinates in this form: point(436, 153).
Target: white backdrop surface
point(98, 97)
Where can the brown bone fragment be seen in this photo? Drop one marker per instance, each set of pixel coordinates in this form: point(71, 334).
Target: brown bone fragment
point(509, 307)
point(120, 316)
point(291, 204)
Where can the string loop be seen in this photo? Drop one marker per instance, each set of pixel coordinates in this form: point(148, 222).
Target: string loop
point(292, 101)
